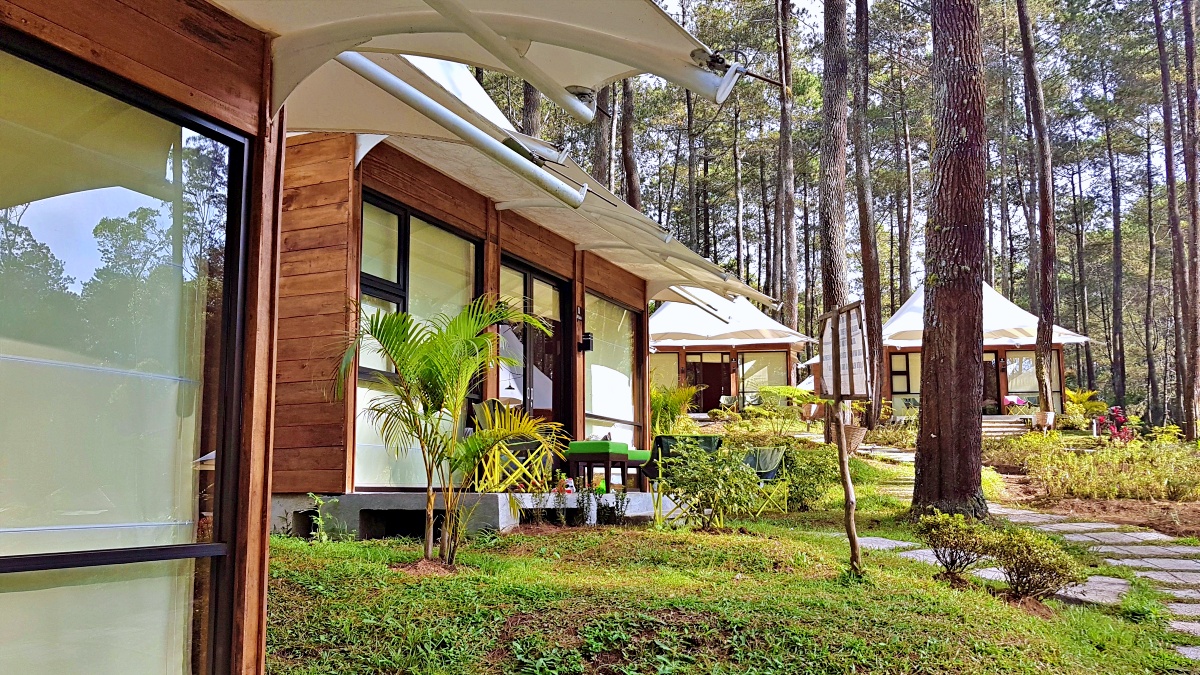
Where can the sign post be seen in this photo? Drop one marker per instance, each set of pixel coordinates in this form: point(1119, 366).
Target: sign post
point(845, 376)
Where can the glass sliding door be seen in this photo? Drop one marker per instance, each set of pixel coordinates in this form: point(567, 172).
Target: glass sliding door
point(761, 369)
point(611, 400)
point(537, 379)
point(408, 264)
point(118, 309)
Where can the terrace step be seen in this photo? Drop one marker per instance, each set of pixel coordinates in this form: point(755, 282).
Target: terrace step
point(1003, 426)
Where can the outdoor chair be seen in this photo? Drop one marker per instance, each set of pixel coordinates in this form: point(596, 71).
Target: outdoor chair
point(729, 402)
point(773, 490)
point(582, 456)
point(663, 447)
point(512, 464)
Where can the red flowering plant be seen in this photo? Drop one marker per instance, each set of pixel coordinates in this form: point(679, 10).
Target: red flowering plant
point(1117, 424)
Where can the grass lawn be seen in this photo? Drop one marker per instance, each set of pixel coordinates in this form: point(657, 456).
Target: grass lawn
point(769, 598)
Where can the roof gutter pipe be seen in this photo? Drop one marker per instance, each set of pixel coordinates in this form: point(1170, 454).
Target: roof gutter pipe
point(476, 138)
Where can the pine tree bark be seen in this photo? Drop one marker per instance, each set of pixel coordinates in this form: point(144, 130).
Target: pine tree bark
point(1081, 282)
point(948, 462)
point(602, 137)
point(1191, 406)
point(785, 215)
point(832, 207)
point(869, 245)
point(739, 201)
point(633, 182)
point(1179, 264)
point(1116, 346)
point(531, 111)
point(1153, 409)
point(1006, 273)
point(905, 234)
point(1048, 245)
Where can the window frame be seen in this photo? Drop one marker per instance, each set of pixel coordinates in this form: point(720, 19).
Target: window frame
point(906, 372)
point(529, 276)
point(226, 500)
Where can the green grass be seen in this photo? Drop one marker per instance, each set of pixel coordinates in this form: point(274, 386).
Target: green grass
point(773, 599)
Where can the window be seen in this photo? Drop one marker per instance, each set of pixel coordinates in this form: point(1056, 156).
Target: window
point(761, 369)
point(1022, 377)
point(611, 399)
point(664, 369)
point(536, 379)
point(410, 264)
point(117, 346)
point(906, 373)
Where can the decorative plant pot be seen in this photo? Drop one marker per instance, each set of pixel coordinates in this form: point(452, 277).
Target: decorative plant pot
point(1043, 420)
point(854, 437)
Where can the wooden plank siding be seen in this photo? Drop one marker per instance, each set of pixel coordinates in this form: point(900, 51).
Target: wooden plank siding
point(318, 277)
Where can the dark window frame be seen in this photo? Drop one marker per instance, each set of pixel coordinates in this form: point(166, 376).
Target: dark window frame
point(530, 274)
point(906, 372)
point(230, 380)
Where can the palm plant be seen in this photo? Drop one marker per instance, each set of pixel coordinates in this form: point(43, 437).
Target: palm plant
point(668, 405)
point(422, 403)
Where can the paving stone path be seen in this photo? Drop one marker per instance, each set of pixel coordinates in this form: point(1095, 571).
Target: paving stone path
point(1174, 569)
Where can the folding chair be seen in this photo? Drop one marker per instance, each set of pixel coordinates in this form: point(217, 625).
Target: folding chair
point(772, 489)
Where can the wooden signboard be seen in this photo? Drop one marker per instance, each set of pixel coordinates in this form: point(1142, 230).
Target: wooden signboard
point(845, 368)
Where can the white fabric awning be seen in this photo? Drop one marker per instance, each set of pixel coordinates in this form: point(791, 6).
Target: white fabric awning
point(1004, 323)
point(335, 99)
point(563, 48)
point(716, 320)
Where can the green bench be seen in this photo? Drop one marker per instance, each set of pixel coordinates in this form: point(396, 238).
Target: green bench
point(582, 456)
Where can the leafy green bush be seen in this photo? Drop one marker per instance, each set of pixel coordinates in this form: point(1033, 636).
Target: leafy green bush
point(957, 543)
point(668, 406)
point(993, 484)
point(1016, 450)
point(1036, 566)
point(724, 415)
point(1136, 470)
point(1074, 417)
point(716, 485)
point(900, 433)
point(809, 473)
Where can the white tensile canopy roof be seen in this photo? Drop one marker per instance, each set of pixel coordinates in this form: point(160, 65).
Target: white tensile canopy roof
point(336, 99)
point(1004, 323)
point(567, 49)
point(708, 319)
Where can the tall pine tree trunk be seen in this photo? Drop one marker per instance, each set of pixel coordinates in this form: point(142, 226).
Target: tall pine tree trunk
point(832, 207)
point(1006, 272)
point(869, 246)
point(1048, 246)
point(1191, 412)
point(1179, 264)
point(602, 138)
point(786, 194)
point(1116, 345)
point(1153, 409)
point(633, 182)
point(905, 234)
point(949, 439)
point(739, 203)
point(531, 111)
point(1081, 281)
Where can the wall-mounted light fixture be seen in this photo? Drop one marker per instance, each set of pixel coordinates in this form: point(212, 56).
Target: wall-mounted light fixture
point(586, 342)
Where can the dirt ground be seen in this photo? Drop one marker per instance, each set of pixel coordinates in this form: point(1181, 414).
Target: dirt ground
point(1178, 519)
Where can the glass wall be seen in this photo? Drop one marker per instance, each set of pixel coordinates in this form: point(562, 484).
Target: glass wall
point(664, 369)
point(536, 380)
point(113, 223)
point(1022, 379)
point(610, 393)
point(411, 264)
point(761, 369)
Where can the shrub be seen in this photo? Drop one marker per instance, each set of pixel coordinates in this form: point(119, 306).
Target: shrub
point(1036, 566)
point(724, 415)
point(901, 433)
point(716, 485)
point(1074, 417)
point(993, 484)
point(809, 473)
point(669, 406)
point(1136, 470)
point(1016, 451)
point(957, 543)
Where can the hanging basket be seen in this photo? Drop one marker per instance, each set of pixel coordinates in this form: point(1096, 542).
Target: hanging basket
point(854, 437)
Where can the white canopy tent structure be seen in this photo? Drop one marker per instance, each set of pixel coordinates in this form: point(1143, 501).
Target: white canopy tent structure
point(729, 346)
point(1004, 323)
point(393, 71)
point(1007, 342)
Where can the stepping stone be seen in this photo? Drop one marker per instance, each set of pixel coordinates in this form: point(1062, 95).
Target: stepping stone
point(990, 574)
point(1117, 537)
point(1023, 516)
point(1170, 564)
point(1181, 593)
point(1179, 578)
point(924, 555)
point(1189, 652)
point(1187, 627)
point(1060, 528)
point(1097, 590)
point(1150, 551)
point(883, 543)
point(1184, 608)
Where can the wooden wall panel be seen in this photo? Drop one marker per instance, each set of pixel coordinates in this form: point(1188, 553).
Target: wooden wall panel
point(318, 277)
point(525, 239)
point(412, 183)
point(188, 51)
point(609, 280)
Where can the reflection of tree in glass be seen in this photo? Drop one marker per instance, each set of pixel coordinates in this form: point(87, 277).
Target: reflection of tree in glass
point(35, 303)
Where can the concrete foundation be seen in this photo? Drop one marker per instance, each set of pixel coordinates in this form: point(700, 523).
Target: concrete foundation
point(375, 515)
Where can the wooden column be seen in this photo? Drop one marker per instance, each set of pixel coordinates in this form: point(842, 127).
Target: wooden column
point(491, 283)
point(642, 375)
point(576, 357)
point(734, 374)
point(1002, 376)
